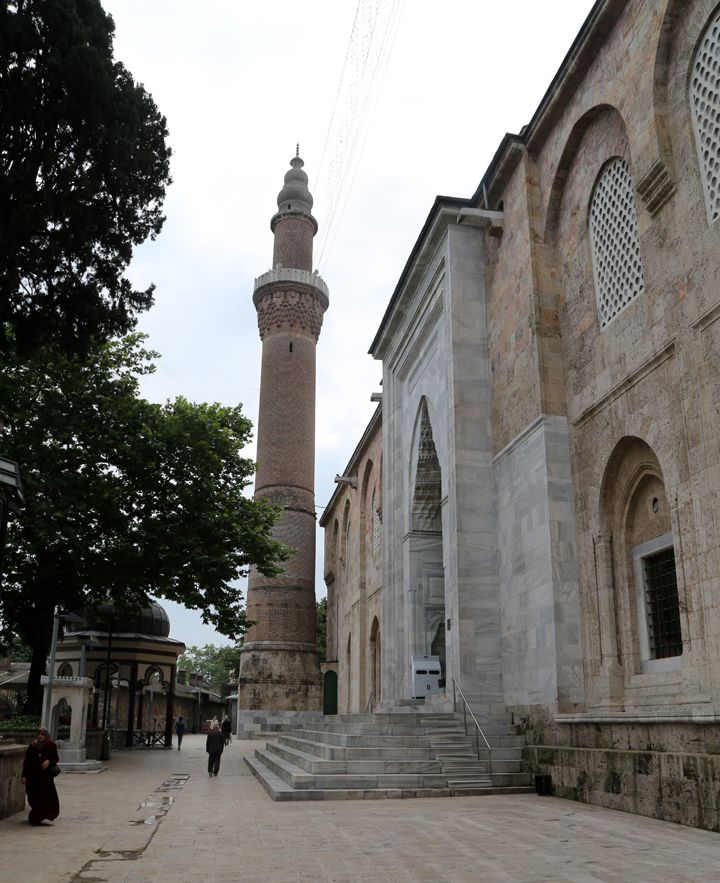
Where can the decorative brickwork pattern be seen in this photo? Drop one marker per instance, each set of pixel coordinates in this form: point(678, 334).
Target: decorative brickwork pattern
point(294, 244)
point(615, 242)
point(291, 309)
point(705, 104)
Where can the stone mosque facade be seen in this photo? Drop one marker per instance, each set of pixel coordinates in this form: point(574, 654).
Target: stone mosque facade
point(536, 499)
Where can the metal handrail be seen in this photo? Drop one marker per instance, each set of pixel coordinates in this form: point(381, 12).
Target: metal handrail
point(478, 728)
point(369, 702)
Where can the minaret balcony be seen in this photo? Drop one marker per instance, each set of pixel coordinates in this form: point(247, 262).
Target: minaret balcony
point(292, 274)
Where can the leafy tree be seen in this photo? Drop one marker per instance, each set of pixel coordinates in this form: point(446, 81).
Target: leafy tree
point(124, 498)
point(321, 627)
point(84, 166)
point(214, 663)
point(13, 648)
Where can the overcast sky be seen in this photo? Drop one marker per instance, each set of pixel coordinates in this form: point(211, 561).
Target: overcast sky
point(240, 83)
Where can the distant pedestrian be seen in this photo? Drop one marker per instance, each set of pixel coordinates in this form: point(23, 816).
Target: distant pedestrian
point(38, 777)
point(180, 730)
point(226, 729)
point(214, 745)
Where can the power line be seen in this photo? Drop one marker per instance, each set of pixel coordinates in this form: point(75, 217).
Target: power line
point(366, 60)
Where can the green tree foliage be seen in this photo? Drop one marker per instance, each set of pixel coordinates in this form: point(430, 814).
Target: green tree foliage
point(84, 166)
point(13, 648)
point(321, 627)
point(124, 498)
point(217, 665)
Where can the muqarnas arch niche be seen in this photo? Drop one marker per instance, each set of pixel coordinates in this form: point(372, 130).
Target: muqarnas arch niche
point(427, 575)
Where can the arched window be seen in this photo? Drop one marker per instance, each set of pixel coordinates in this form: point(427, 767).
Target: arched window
point(348, 551)
point(614, 241)
point(705, 111)
point(376, 527)
point(335, 549)
point(637, 526)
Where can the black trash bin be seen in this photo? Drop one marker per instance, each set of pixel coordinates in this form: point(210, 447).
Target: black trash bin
point(543, 785)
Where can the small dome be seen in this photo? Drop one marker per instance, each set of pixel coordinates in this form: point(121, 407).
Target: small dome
point(151, 621)
point(295, 196)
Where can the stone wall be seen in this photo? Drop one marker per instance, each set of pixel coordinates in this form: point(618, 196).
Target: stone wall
point(541, 646)
point(662, 769)
point(12, 791)
point(353, 574)
point(96, 742)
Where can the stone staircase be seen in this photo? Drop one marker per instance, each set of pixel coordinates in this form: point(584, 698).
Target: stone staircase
point(386, 755)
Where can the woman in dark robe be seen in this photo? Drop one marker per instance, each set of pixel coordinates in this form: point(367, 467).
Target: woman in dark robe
point(38, 779)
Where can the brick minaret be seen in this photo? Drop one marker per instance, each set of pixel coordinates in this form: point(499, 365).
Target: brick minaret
point(279, 669)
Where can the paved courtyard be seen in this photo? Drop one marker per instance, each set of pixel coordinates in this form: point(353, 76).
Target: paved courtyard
point(156, 816)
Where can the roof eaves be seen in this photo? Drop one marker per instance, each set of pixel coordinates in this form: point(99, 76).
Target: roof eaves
point(440, 203)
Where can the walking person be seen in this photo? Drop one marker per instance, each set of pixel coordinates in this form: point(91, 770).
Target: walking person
point(226, 729)
point(180, 730)
point(214, 745)
point(38, 777)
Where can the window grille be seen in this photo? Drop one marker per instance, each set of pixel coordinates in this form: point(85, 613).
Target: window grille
point(376, 528)
point(614, 241)
point(705, 109)
point(661, 605)
point(348, 552)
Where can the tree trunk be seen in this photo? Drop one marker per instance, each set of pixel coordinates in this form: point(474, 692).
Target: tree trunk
point(40, 649)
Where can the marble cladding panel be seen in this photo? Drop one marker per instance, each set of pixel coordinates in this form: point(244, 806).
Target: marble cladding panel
point(541, 649)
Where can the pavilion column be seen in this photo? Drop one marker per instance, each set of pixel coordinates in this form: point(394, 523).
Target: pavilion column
point(170, 708)
point(132, 690)
point(141, 697)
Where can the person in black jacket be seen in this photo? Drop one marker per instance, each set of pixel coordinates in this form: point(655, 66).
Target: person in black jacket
point(180, 728)
point(214, 745)
point(38, 779)
point(226, 728)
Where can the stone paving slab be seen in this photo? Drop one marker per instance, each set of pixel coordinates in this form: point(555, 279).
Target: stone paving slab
point(156, 816)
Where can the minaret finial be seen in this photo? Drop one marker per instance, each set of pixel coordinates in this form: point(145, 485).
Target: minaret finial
point(297, 149)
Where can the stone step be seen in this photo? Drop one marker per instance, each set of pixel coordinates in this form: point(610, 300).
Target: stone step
point(299, 778)
point(299, 771)
point(389, 717)
point(379, 740)
point(359, 752)
point(413, 728)
point(387, 754)
point(485, 782)
point(368, 767)
point(278, 789)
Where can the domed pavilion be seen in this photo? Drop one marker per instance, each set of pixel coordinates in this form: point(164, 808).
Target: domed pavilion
point(131, 661)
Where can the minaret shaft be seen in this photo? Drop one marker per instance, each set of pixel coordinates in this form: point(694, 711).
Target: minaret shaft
point(279, 669)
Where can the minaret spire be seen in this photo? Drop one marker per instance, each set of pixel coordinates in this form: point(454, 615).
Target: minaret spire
point(279, 668)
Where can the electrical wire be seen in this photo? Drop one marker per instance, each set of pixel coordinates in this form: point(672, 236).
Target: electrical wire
point(367, 57)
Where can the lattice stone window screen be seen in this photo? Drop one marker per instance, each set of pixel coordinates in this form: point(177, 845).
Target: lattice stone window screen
point(376, 528)
point(614, 241)
point(705, 106)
